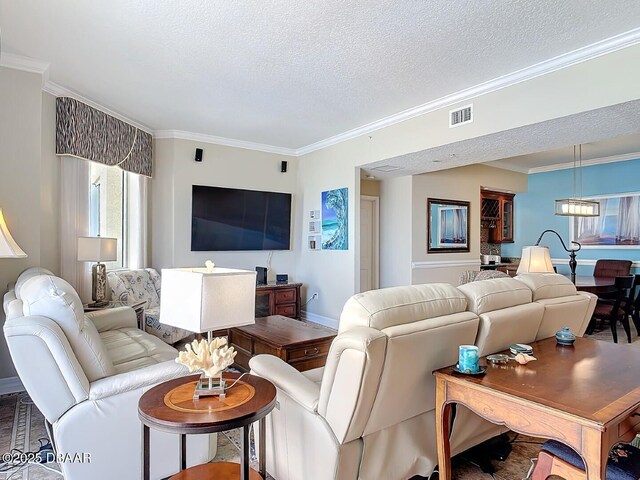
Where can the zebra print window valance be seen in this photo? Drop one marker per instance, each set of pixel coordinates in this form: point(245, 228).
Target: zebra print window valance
point(85, 132)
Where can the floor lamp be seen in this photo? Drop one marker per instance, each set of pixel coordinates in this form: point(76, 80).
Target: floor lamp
point(8, 246)
point(537, 259)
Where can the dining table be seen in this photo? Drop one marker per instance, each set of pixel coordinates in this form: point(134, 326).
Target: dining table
point(597, 285)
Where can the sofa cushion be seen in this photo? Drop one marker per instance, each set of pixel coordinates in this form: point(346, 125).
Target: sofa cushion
point(388, 307)
point(130, 286)
point(54, 298)
point(548, 285)
point(130, 349)
point(489, 295)
point(167, 333)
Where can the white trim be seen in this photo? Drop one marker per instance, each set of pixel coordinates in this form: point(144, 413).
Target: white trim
point(446, 264)
point(10, 385)
point(60, 91)
point(609, 45)
point(589, 262)
point(26, 64)
point(229, 142)
point(319, 319)
point(585, 163)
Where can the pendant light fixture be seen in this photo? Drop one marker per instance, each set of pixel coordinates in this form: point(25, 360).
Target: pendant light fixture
point(576, 206)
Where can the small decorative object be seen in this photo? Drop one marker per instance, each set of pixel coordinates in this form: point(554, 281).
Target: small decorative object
point(521, 348)
point(468, 358)
point(211, 357)
point(498, 359)
point(564, 336)
point(209, 266)
point(524, 358)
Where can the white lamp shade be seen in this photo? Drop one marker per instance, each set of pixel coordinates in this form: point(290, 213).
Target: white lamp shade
point(8, 246)
point(200, 301)
point(535, 260)
point(97, 249)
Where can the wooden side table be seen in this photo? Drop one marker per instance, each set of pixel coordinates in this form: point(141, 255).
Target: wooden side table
point(138, 307)
point(170, 407)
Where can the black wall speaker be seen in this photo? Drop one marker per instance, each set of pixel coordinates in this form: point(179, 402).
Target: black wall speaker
point(261, 277)
point(283, 166)
point(198, 155)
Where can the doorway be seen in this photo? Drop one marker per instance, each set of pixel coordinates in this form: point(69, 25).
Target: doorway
point(369, 242)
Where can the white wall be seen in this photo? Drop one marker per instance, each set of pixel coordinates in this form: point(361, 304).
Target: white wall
point(454, 184)
point(176, 172)
point(395, 231)
point(29, 179)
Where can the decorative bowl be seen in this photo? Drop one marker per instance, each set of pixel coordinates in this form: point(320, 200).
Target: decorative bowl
point(564, 336)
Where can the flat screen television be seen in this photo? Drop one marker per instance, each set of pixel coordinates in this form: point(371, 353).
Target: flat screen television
point(224, 219)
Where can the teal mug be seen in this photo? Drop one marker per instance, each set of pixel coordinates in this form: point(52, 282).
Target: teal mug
point(468, 358)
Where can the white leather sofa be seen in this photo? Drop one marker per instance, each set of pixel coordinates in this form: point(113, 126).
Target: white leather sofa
point(369, 413)
point(86, 373)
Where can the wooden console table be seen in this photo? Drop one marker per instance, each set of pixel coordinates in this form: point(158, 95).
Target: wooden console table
point(278, 299)
point(586, 396)
point(300, 344)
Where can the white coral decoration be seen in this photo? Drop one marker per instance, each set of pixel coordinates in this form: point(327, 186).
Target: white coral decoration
point(212, 358)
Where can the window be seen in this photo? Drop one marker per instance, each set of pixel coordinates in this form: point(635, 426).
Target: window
point(107, 207)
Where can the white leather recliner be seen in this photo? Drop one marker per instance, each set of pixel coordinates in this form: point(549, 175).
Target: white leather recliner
point(370, 413)
point(86, 373)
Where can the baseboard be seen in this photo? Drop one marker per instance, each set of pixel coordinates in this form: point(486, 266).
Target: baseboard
point(10, 385)
point(315, 318)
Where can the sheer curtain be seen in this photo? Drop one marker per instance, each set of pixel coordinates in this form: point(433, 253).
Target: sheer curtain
point(137, 220)
point(629, 218)
point(74, 223)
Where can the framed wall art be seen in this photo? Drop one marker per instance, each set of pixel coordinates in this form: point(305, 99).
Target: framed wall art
point(447, 226)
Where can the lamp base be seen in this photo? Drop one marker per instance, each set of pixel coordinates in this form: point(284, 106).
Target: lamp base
point(99, 283)
point(209, 387)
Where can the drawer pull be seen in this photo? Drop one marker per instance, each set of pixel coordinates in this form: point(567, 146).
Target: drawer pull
point(311, 352)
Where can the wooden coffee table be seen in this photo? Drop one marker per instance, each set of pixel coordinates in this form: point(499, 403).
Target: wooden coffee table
point(586, 396)
point(300, 344)
point(170, 407)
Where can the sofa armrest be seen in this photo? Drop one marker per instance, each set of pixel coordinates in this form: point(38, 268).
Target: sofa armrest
point(287, 379)
point(113, 318)
point(46, 364)
point(143, 377)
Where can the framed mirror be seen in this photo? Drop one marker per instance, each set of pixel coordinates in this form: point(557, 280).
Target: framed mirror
point(447, 226)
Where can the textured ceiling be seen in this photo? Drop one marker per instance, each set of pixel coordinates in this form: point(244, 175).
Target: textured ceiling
point(291, 73)
point(517, 144)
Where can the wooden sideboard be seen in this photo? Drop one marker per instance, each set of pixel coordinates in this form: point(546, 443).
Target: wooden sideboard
point(278, 299)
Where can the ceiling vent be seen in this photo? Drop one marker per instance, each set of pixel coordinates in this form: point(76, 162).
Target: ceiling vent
point(386, 168)
point(460, 116)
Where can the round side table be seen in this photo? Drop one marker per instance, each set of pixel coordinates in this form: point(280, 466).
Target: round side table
point(170, 407)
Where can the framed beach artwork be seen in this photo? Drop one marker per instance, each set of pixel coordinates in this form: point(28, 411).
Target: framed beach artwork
point(447, 226)
point(335, 219)
point(617, 227)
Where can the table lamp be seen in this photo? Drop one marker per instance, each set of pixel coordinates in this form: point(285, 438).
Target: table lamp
point(206, 299)
point(98, 249)
point(8, 246)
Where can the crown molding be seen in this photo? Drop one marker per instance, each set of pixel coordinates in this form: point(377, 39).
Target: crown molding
point(227, 142)
point(603, 47)
point(586, 163)
point(26, 64)
point(60, 91)
point(579, 55)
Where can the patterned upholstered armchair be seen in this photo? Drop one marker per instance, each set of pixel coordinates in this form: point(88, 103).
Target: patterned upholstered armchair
point(131, 286)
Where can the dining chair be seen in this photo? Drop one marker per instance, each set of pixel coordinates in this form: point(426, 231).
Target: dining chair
point(612, 268)
point(617, 308)
point(636, 303)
